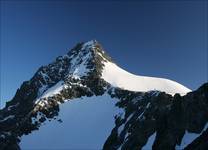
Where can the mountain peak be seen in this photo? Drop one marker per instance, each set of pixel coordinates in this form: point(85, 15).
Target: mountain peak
point(87, 71)
point(88, 46)
point(88, 62)
point(90, 43)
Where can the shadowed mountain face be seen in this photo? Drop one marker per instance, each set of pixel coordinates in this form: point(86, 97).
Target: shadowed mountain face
point(165, 117)
point(150, 119)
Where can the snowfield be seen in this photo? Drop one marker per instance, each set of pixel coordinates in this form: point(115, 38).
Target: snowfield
point(87, 122)
point(120, 78)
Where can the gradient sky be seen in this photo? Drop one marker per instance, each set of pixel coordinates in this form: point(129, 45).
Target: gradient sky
point(162, 39)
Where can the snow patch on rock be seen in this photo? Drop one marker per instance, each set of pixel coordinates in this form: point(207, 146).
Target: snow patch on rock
point(188, 138)
point(150, 142)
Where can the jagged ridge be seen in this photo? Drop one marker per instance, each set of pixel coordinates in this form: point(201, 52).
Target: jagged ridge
point(74, 75)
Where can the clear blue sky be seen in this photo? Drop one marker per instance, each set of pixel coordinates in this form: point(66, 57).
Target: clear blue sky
point(163, 39)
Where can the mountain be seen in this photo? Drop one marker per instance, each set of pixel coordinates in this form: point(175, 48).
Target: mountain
point(83, 100)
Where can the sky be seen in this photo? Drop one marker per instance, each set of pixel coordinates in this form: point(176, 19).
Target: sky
point(161, 39)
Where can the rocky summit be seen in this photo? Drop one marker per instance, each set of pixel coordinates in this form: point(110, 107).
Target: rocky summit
point(83, 100)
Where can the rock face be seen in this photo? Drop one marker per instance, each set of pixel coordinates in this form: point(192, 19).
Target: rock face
point(156, 112)
point(155, 115)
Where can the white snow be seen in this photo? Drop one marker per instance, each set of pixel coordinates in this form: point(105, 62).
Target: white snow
point(86, 124)
point(121, 128)
point(123, 79)
point(81, 70)
point(79, 63)
point(54, 89)
point(149, 144)
point(101, 55)
point(188, 138)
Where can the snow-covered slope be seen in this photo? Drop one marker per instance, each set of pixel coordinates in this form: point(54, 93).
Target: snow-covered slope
point(87, 122)
point(125, 80)
point(189, 137)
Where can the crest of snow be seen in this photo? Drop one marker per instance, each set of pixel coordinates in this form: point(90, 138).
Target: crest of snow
point(120, 78)
point(188, 138)
point(87, 123)
point(150, 142)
